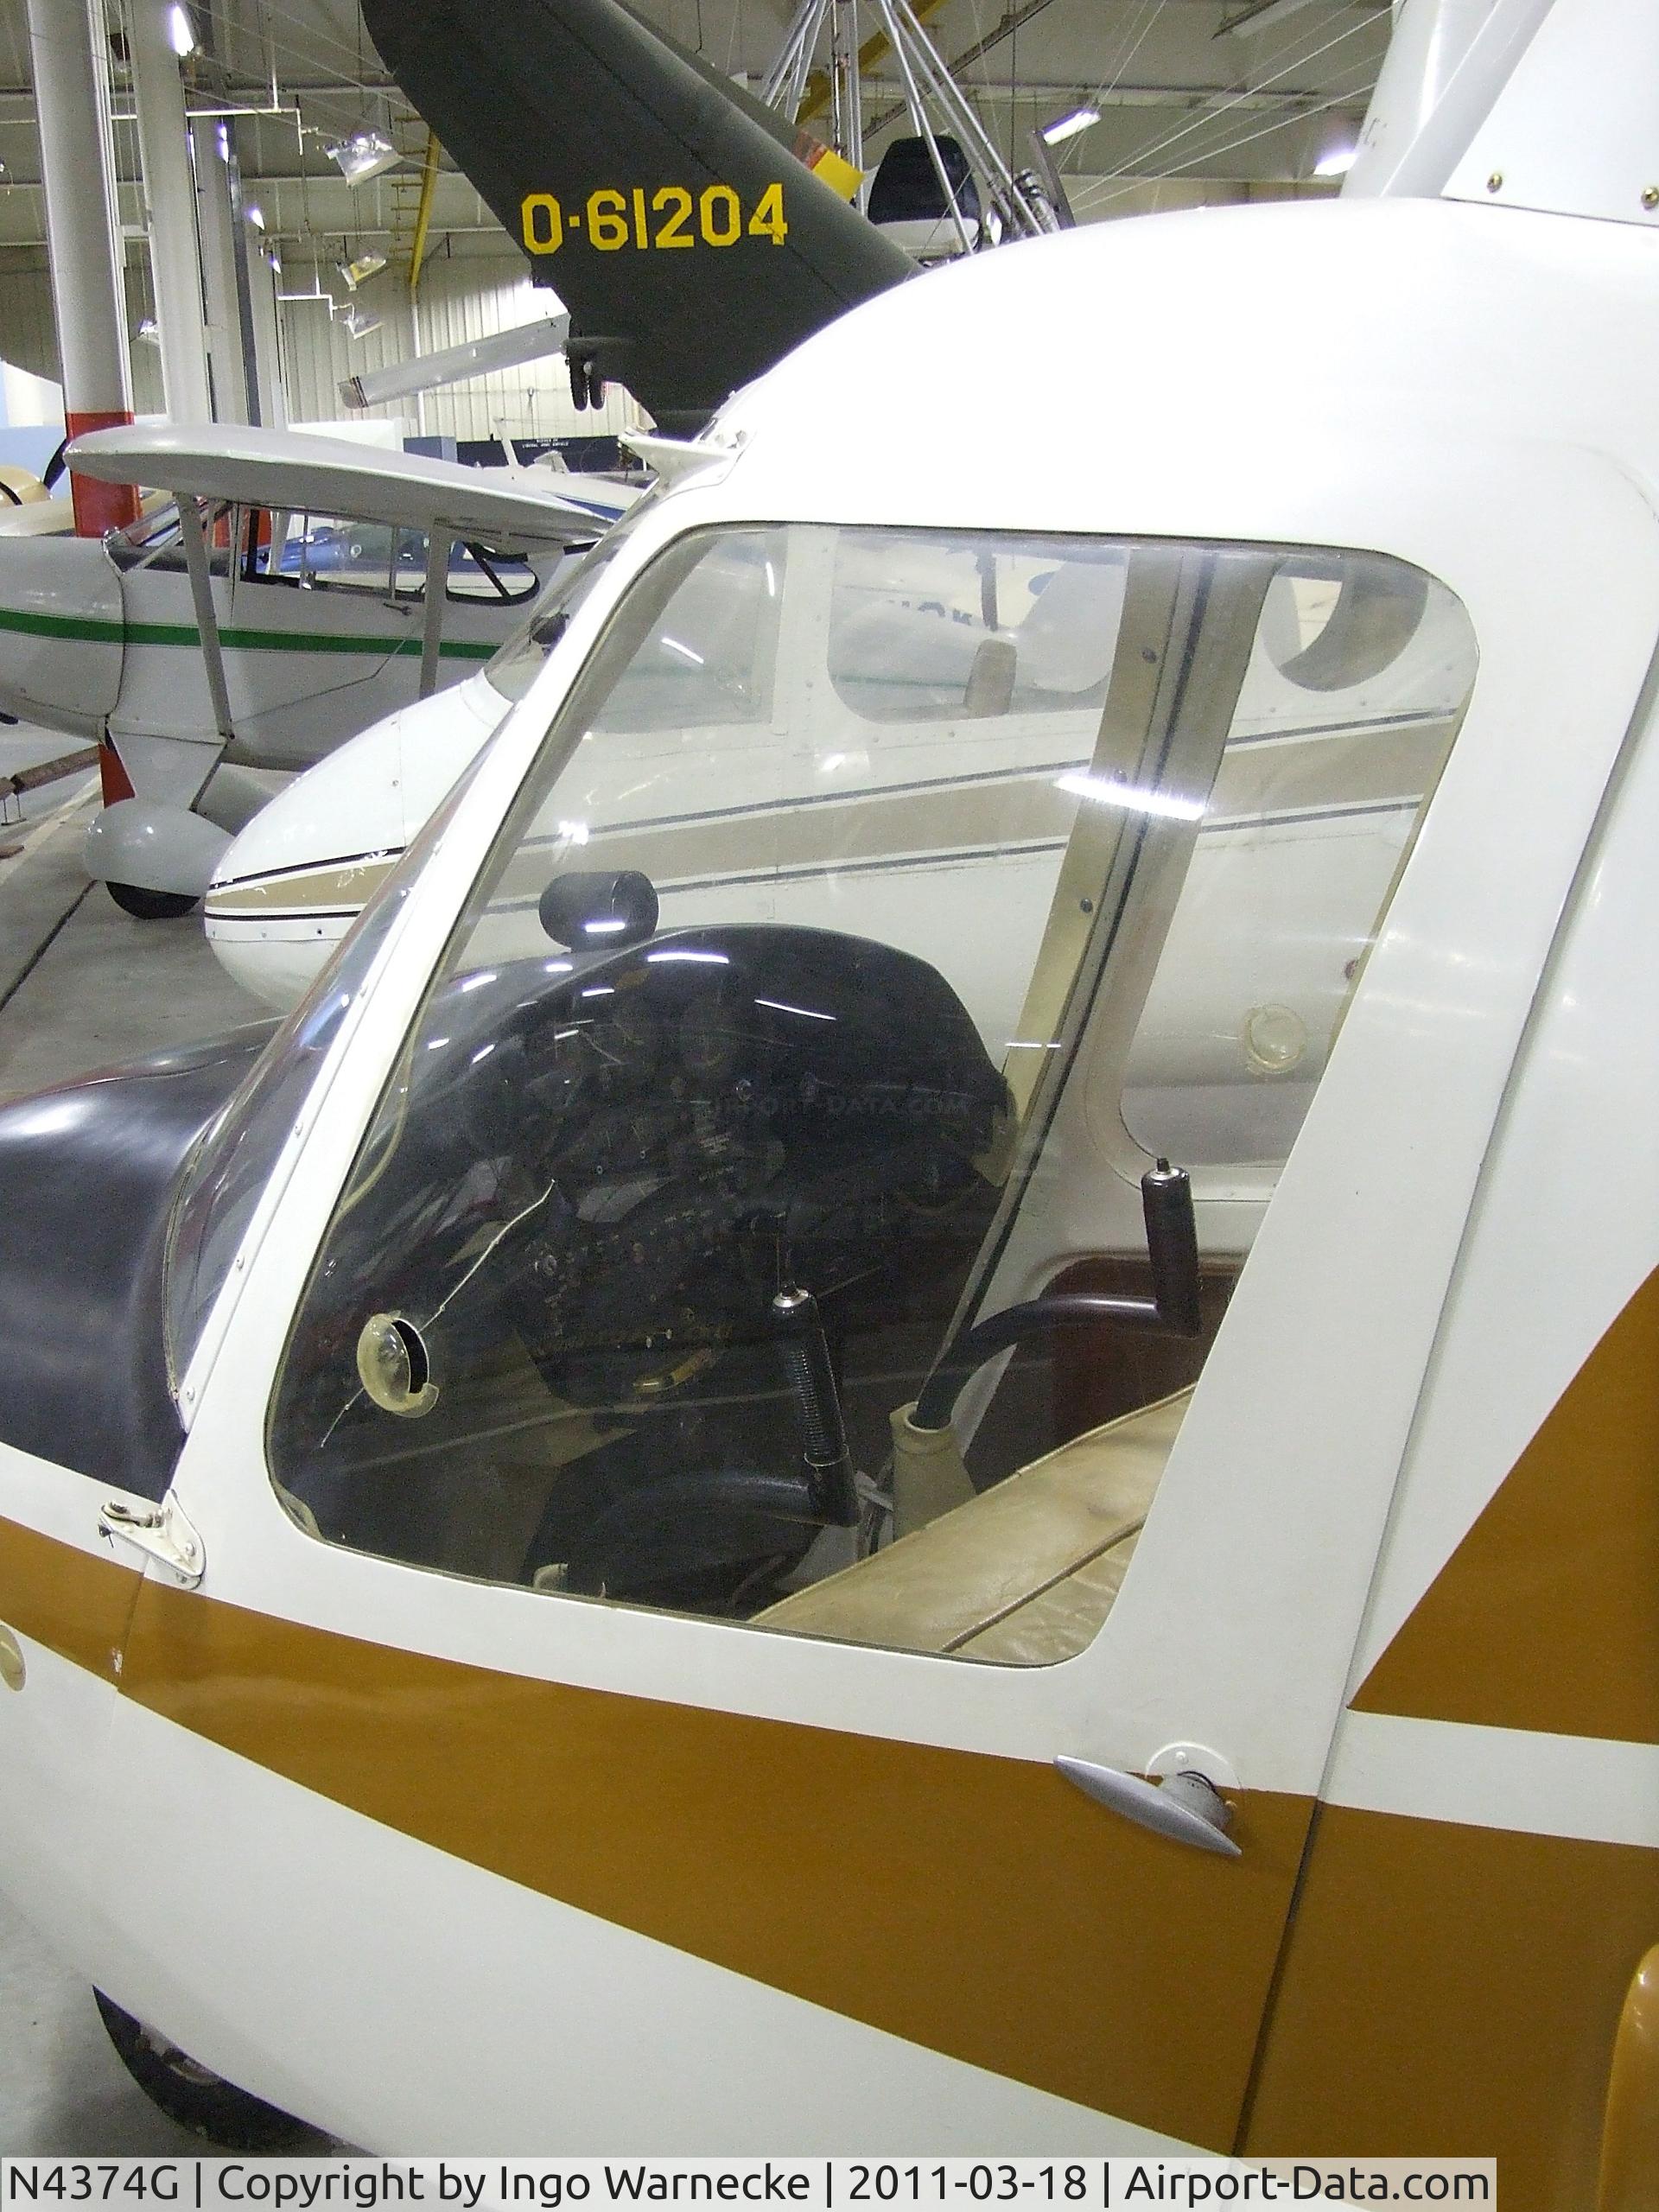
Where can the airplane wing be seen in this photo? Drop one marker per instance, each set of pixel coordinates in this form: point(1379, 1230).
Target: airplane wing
point(663, 205)
point(290, 470)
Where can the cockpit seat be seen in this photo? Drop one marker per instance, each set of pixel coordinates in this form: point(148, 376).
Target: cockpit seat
point(1024, 1573)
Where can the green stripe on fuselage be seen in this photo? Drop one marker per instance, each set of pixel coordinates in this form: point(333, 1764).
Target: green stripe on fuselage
point(89, 629)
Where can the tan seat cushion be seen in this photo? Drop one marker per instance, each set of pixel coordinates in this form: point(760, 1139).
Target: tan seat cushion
point(1024, 1573)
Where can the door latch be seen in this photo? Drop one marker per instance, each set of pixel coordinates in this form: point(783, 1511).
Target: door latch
point(160, 1532)
point(1187, 1808)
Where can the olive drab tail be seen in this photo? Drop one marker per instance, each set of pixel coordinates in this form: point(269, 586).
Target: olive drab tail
point(667, 208)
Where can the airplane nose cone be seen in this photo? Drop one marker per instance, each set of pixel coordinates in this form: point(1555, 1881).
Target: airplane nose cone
point(61, 633)
point(287, 889)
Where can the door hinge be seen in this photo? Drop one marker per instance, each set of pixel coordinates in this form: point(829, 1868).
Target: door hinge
point(160, 1532)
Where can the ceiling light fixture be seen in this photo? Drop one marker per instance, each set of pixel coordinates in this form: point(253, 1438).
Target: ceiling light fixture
point(256, 214)
point(353, 273)
point(149, 330)
point(1337, 163)
point(362, 155)
point(1251, 21)
point(180, 31)
point(1069, 126)
point(359, 325)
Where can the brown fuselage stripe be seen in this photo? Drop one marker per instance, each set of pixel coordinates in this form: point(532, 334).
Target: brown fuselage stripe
point(1546, 1617)
point(1454, 1990)
point(979, 1906)
point(75, 1602)
point(1444, 1989)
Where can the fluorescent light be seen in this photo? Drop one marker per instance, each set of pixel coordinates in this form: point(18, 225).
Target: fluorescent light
point(362, 155)
point(1337, 163)
point(1069, 126)
point(180, 31)
point(353, 273)
point(1261, 18)
point(1134, 798)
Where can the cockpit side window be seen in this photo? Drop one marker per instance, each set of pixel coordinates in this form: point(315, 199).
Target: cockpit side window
point(831, 996)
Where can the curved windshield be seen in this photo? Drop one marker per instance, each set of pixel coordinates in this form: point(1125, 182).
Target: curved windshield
point(517, 661)
point(886, 909)
point(227, 1172)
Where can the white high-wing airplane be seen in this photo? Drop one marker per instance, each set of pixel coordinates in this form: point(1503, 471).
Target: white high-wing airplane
point(523, 1521)
point(298, 587)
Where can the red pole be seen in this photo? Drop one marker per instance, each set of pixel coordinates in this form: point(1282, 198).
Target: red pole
point(100, 506)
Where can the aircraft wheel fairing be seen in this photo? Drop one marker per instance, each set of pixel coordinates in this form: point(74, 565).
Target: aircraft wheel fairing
point(196, 2097)
point(150, 905)
point(142, 846)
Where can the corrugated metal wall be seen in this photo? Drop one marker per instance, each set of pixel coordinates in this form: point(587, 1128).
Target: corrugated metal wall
point(28, 337)
point(461, 299)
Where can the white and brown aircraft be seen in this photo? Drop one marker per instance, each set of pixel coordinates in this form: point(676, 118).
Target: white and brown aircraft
point(920, 1404)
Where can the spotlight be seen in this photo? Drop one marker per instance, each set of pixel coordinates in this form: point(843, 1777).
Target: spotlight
point(364, 155)
point(353, 273)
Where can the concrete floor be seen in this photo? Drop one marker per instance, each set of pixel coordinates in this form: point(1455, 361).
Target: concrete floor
point(62, 2088)
point(81, 984)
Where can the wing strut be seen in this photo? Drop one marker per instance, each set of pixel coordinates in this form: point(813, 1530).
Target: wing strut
point(201, 591)
point(438, 577)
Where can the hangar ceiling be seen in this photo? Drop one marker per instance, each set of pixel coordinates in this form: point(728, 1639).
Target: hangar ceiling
point(1191, 108)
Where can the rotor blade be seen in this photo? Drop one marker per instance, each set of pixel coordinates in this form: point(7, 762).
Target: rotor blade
point(479, 357)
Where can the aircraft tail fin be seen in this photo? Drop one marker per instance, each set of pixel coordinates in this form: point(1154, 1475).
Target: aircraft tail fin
point(665, 207)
